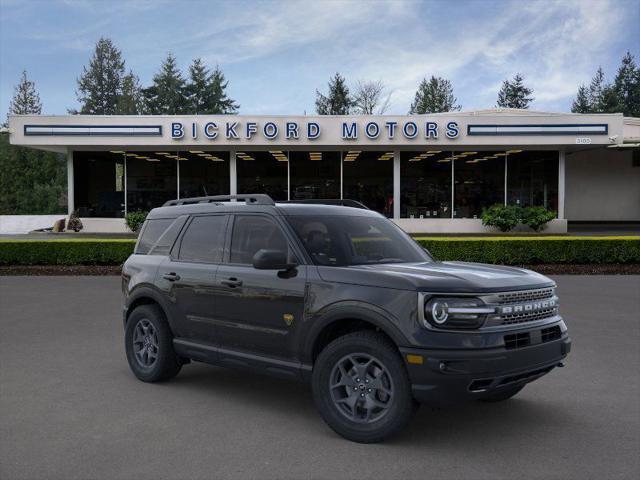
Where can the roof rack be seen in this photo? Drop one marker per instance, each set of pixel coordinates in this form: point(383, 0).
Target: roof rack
point(341, 202)
point(250, 199)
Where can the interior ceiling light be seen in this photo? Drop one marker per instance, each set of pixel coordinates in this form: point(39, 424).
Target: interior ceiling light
point(116, 151)
point(162, 153)
point(514, 151)
point(131, 154)
point(434, 151)
point(196, 151)
point(444, 160)
point(152, 160)
point(141, 157)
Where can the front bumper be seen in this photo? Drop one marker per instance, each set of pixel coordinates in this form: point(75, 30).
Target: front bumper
point(451, 376)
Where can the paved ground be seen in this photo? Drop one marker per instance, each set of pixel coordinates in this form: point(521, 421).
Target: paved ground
point(70, 409)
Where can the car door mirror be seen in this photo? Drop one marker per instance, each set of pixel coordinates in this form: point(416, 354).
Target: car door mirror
point(271, 260)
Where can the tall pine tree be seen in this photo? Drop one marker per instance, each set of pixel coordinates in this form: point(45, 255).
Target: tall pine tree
point(130, 101)
point(100, 85)
point(167, 94)
point(582, 103)
point(338, 100)
point(514, 94)
point(433, 96)
point(25, 99)
point(627, 86)
point(206, 92)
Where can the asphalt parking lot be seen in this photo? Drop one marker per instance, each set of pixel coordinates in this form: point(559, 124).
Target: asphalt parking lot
point(71, 409)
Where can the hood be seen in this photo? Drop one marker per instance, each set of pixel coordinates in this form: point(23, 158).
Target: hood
point(452, 277)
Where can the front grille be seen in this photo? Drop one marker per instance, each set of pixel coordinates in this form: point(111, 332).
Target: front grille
point(524, 339)
point(523, 297)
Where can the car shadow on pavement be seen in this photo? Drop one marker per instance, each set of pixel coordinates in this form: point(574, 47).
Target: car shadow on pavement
point(473, 424)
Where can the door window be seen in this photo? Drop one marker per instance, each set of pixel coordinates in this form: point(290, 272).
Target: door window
point(252, 233)
point(204, 239)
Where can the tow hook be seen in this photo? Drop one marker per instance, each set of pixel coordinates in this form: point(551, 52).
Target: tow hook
point(560, 365)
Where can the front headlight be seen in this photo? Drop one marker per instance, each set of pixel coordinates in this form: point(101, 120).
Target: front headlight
point(455, 312)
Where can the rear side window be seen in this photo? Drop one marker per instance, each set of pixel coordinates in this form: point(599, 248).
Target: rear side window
point(168, 238)
point(204, 239)
point(151, 233)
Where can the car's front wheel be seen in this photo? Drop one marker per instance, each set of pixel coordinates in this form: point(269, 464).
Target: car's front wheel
point(361, 387)
point(149, 345)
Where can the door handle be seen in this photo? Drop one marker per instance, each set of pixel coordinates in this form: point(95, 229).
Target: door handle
point(172, 276)
point(231, 282)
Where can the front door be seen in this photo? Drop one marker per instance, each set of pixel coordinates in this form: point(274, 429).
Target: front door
point(257, 310)
point(188, 277)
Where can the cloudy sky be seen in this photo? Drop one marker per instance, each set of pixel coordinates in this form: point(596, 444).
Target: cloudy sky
point(276, 53)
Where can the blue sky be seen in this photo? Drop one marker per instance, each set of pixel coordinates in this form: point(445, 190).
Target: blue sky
point(276, 53)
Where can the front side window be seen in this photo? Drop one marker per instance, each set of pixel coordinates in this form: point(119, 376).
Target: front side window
point(204, 239)
point(252, 233)
point(344, 240)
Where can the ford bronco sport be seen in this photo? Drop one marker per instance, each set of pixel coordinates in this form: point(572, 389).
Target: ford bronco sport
point(337, 296)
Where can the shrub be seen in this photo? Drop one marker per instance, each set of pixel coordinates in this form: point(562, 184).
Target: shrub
point(75, 223)
point(504, 218)
point(72, 251)
point(135, 220)
point(537, 217)
point(535, 250)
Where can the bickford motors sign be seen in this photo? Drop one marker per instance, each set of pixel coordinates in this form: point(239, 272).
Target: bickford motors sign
point(294, 130)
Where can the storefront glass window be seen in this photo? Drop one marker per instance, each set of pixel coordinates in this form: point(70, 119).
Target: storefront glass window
point(315, 175)
point(203, 173)
point(368, 178)
point(425, 184)
point(532, 179)
point(262, 172)
point(151, 179)
point(99, 184)
point(478, 182)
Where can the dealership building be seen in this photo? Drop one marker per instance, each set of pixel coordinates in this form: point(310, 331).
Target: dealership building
point(429, 173)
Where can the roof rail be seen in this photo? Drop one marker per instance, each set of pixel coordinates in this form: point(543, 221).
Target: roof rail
point(250, 199)
point(341, 202)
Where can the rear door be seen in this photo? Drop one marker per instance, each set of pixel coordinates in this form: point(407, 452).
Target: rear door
point(257, 310)
point(188, 276)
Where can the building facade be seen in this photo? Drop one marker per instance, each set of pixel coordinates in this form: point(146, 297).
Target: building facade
point(429, 173)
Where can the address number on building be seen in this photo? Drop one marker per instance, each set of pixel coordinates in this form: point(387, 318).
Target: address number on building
point(583, 141)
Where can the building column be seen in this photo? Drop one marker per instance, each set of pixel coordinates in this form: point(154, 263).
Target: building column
point(233, 174)
point(396, 184)
point(70, 183)
point(561, 177)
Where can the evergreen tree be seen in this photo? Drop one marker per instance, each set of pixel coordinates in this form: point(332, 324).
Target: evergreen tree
point(596, 91)
point(627, 86)
point(99, 86)
point(218, 100)
point(25, 99)
point(581, 104)
point(338, 101)
point(130, 101)
point(514, 94)
point(167, 95)
point(206, 91)
point(433, 96)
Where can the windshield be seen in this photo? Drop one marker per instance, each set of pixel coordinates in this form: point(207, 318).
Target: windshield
point(341, 240)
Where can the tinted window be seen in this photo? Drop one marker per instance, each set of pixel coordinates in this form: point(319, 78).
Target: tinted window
point(151, 233)
point(204, 239)
point(253, 233)
point(168, 238)
point(341, 240)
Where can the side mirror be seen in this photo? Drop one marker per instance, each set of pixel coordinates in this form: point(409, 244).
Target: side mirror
point(271, 260)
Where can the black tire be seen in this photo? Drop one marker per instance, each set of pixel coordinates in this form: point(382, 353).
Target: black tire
point(502, 395)
point(387, 371)
point(161, 363)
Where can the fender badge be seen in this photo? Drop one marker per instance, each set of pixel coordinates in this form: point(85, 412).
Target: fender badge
point(288, 318)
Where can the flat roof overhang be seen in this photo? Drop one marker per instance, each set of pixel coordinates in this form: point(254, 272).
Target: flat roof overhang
point(449, 131)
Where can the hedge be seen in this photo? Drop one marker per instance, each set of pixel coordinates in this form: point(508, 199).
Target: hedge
point(535, 250)
point(65, 252)
point(499, 250)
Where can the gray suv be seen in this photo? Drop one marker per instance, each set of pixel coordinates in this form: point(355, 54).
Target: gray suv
point(337, 296)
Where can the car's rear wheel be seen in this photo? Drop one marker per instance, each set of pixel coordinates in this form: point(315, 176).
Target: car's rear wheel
point(361, 387)
point(503, 394)
point(149, 345)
